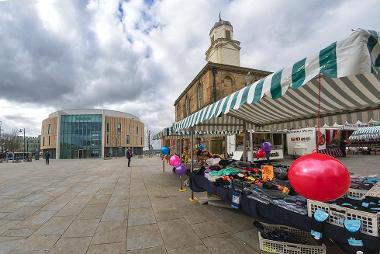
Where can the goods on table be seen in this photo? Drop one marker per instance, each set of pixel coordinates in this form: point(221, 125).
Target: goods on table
point(253, 181)
point(366, 209)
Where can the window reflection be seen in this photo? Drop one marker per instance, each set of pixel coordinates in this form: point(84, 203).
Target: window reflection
point(80, 136)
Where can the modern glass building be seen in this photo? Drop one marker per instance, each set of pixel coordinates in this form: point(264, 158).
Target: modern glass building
point(91, 133)
point(80, 136)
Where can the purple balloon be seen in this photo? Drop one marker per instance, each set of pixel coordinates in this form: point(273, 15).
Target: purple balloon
point(266, 146)
point(181, 170)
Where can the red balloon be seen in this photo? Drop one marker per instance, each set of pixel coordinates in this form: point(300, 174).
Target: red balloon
point(319, 177)
point(260, 153)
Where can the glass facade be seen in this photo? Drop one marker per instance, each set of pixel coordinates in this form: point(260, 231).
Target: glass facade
point(80, 136)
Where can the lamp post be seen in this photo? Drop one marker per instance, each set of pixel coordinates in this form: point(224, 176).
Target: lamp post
point(1, 140)
point(23, 130)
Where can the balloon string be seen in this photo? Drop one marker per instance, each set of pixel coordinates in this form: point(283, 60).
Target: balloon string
point(319, 112)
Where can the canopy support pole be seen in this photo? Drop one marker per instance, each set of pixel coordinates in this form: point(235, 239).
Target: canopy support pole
point(251, 145)
point(244, 141)
point(163, 155)
point(192, 198)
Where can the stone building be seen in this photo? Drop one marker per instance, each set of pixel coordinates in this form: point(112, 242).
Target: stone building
point(32, 144)
point(221, 76)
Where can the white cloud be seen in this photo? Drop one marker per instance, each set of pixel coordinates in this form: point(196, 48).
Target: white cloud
point(65, 54)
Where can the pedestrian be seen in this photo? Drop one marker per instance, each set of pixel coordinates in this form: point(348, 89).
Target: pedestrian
point(342, 147)
point(47, 157)
point(129, 156)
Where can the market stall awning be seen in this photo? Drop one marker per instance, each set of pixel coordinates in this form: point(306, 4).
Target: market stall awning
point(172, 133)
point(349, 91)
point(369, 133)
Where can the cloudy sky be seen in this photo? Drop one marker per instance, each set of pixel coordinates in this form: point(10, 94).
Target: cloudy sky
point(137, 56)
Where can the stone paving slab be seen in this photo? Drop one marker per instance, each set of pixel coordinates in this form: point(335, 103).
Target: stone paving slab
point(143, 236)
point(82, 228)
point(178, 234)
point(102, 206)
point(200, 249)
point(110, 232)
point(114, 248)
point(141, 216)
point(71, 245)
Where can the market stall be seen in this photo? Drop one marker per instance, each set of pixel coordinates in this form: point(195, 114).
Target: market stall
point(365, 140)
point(332, 141)
point(254, 139)
point(337, 85)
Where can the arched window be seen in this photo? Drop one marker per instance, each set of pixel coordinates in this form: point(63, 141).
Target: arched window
point(188, 106)
point(178, 112)
point(199, 95)
point(227, 87)
point(184, 109)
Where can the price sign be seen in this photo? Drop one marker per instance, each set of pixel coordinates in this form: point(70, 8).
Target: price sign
point(267, 172)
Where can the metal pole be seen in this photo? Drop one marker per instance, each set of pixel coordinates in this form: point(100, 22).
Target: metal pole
point(149, 140)
point(251, 144)
point(24, 145)
point(192, 162)
point(244, 141)
point(163, 164)
point(1, 140)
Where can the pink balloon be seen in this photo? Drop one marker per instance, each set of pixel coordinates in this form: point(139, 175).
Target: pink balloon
point(319, 177)
point(175, 160)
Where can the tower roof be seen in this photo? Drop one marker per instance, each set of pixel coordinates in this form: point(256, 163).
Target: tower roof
point(220, 22)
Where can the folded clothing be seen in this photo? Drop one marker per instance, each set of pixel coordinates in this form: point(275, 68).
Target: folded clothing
point(225, 163)
point(225, 172)
point(295, 204)
point(299, 208)
point(363, 182)
point(215, 168)
point(367, 204)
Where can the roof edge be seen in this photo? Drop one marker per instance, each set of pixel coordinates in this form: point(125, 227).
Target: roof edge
point(221, 66)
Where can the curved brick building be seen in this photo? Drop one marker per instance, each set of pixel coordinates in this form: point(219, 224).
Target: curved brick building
point(91, 133)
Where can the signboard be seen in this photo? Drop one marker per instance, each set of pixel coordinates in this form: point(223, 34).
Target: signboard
point(231, 144)
point(277, 154)
point(267, 172)
point(303, 141)
point(237, 155)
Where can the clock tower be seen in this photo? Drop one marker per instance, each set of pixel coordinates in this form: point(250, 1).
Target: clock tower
point(223, 49)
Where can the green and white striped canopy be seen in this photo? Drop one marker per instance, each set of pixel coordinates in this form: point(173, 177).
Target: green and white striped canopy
point(288, 98)
point(171, 133)
point(369, 133)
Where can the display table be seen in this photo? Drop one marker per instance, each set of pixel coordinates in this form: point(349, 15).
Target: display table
point(277, 215)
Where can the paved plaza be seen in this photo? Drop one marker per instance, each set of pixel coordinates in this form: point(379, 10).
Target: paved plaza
point(102, 206)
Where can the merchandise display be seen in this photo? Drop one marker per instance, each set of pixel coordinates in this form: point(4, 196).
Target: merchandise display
point(264, 192)
point(253, 180)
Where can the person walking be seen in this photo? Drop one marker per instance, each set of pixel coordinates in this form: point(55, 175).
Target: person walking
point(47, 157)
point(129, 156)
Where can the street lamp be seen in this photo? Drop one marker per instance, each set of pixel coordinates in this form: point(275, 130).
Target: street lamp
point(21, 130)
point(1, 140)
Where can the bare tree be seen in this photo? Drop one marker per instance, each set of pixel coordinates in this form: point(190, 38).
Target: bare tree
point(11, 141)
